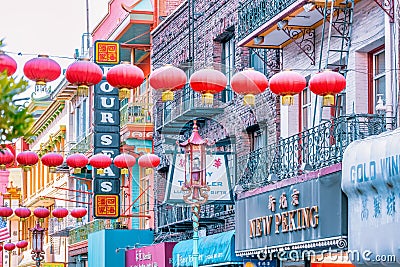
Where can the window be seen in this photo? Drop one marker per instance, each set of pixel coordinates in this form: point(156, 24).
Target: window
point(305, 103)
point(257, 60)
point(228, 66)
point(81, 120)
point(377, 78)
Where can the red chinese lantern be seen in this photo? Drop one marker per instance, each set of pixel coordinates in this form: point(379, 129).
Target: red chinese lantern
point(249, 83)
point(9, 246)
point(52, 160)
point(77, 161)
point(83, 73)
point(22, 244)
point(167, 79)
point(7, 64)
point(327, 84)
point(27, 159)
point(125, 77)
point(100, 162)
point(41, 213)
point(42, 70)
point(1, 247)
point(60, 213)
point(287, 84)
point(6, 158)
point(124, 162)
point(78, 213)
point(22, 212)
point(5, 212)
point(149, 161)
point(208, 82)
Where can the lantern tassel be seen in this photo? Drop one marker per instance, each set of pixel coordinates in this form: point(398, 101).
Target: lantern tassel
point(167, 96)
point(2, 167)
point(100, 171)
point(26, 168)
point(208, 98)
point(249, 99)
point(52, 169)
point(124, 93)
point(328, 100)
point(77, 170)
point(287, 100)
point(83, 90)
point(124, 171)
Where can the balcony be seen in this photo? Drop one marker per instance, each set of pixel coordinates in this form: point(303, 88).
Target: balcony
point(315, 148)
point(83, 145)
point(136, 121)
point(82, 232)
point(172, 116)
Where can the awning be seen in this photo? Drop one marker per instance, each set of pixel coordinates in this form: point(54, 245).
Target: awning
point(214, 250)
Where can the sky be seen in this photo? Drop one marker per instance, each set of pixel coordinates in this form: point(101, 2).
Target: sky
point(49, 27)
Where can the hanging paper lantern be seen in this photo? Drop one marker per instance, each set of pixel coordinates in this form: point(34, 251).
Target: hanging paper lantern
point(41, 213)
point(83, 73)
point(7, 64)
point(77, 161)
point(60, 213)
point(78, 213)
point(5, 212)
point(167, 79)
point(287, 84)
point(22, 244)
point(124, 162)
point(9, 246)
point(27, 159)
point(22, 212)
point(327, 84)
point(249, 83)
point(6, 158)
point(1, 247)
point(149, 161)
point(42, 70)
point(52, 160)
point(125, 77)
point(208, 82)
point(100, 162)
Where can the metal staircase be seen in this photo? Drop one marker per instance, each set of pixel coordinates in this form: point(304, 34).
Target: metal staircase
point(339, 17)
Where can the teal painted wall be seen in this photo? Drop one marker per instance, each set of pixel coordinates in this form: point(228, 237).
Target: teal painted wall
point(103, 245)
point(139, 145)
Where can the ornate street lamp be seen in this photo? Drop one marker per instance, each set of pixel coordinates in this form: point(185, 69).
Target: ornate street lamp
point(37, 244)
point(195, 187)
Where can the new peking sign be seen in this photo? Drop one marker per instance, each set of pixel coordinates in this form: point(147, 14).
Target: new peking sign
point(106, 134)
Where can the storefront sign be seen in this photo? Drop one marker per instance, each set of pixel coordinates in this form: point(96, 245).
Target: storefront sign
point(106, 141)
point(106, 52)
point(371, 180)
point(53, 264)
point(217, 175)
point(311, 212)
point(159, 255)
point(259, 263)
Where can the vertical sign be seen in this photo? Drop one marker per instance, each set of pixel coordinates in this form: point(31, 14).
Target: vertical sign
point(106, 186)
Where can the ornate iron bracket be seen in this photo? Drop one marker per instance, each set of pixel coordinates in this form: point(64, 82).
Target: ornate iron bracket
point(388, 7)
point(272, 58)
point(304, 38)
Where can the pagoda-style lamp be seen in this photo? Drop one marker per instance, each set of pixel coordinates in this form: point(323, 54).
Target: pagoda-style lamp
point(195, 187)
point(37, 244)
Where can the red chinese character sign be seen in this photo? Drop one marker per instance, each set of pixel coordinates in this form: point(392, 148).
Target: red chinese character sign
point(107, 206)
point(106, 52)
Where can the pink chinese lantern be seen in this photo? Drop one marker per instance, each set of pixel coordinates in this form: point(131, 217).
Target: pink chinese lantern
point(77, 161)
point(327, 84)
point(52, 160)
point(208, 82)
point(22, 212)
point(83, 73)
point(22, 244)
point(78, 213)
point(167, 79)
point(6, 158)
point(125, 77)
point(149, 161)
point(287, 84)
point(42, 70)
point(124, 162)
point(60, 213)
point(7, 64)
point(100, 162)
point(5, 212)
point(41, 213)
point(27, 159)
point(9, 247)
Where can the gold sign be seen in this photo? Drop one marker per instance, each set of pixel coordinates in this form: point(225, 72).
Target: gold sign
point(53, 264)
point(106, 52)
point(285, 221)
point(106, 206)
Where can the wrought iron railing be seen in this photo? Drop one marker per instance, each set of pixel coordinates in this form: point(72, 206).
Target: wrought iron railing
point(312, 149)
point(81, 233)
point(57, 226)
point(254, 13)
point(135, 113)
point(83, 144)
point(187, 100)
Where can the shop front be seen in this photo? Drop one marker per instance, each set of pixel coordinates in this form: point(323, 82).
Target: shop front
point(300, 221)
point(158, 255)
point(371, 180)
point(214, 250)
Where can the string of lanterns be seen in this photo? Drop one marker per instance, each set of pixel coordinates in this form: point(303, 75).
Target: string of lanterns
point(168, 79)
